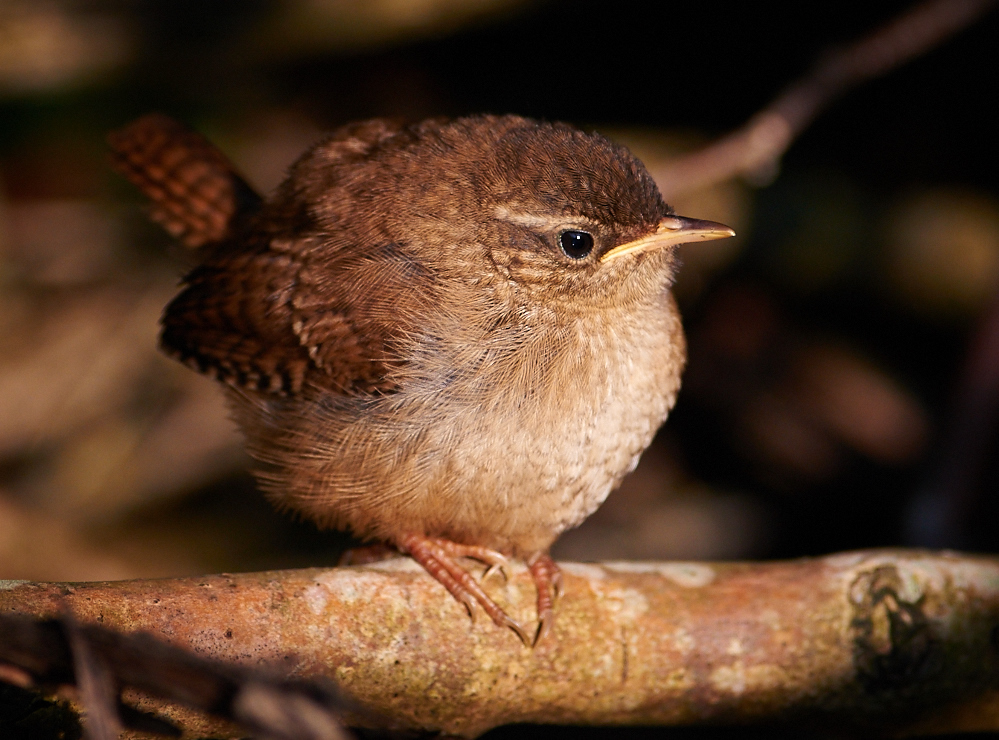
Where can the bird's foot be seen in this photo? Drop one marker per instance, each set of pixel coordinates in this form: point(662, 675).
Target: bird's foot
point(437, 555)
point(548, 581)
point(496, 561)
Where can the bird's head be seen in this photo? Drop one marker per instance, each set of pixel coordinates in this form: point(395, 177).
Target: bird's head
point(527, 212)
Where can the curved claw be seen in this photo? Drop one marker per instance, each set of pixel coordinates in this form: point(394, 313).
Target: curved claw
point(545, 622)
point(495, 568)
point(557, 582)
point(468, 602)
point(518, 628)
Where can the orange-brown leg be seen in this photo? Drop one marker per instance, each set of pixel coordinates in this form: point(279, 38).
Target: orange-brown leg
point(437, 555)
point(548, 581)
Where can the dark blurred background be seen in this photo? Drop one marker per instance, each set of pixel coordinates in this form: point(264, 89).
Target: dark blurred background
point(834, 398)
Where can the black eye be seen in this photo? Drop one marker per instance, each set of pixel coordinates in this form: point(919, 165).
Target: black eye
point(575, 244)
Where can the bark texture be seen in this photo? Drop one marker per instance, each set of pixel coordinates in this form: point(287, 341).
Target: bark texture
point(880, 639)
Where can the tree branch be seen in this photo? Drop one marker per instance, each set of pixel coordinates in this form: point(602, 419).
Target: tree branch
point(876, 639)
point(755, 149)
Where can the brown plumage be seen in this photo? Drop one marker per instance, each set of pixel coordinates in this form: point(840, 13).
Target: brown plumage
point(456, 337)
point(197, 196)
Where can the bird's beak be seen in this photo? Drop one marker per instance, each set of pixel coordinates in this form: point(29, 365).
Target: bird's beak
point(672, 230)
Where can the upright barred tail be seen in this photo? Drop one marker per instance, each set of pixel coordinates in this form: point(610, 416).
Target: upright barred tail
point(196, 194)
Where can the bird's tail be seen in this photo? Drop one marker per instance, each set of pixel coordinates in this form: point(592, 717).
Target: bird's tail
point(196, 193)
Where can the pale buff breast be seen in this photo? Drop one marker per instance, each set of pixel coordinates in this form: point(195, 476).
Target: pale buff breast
point(555, 456)
point(508, 455)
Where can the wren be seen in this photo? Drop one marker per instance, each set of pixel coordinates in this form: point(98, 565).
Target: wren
point(454, 337)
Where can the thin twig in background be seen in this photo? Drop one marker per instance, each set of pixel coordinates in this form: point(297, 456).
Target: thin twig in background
point(755, 149)
point(96, 684)
point(100, 662)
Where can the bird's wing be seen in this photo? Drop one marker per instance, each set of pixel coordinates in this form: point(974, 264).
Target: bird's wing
point(260, 322)
point(275, 310)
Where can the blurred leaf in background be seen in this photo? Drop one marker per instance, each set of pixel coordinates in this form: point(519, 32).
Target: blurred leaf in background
point(46, 46)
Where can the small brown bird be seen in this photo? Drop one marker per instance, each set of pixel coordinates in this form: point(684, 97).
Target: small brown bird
point(455, 337)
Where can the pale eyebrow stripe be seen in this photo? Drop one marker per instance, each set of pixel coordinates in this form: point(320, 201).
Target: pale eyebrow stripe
point(521, 219)
point(532, 220)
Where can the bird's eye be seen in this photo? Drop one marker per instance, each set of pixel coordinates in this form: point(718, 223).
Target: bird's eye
point(575, 244)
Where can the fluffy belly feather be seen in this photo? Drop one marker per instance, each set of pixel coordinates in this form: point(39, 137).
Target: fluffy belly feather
point(511, 468)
